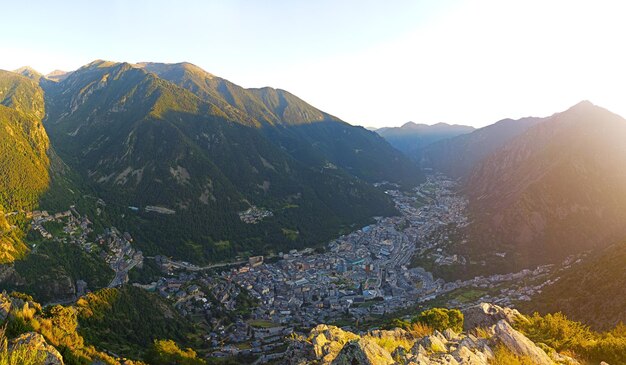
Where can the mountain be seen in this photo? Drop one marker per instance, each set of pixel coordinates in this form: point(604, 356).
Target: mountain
point(24, 161)
point(458, 155)
point(308, 134)
point(192, 161)
point(257, 106)
point(555, 190)
point(57, 75)
point(582, 290)
point(591, 291)
point(412, 137)
point(29, 72)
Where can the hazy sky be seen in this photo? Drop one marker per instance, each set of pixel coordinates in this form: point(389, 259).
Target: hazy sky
point(372, 63)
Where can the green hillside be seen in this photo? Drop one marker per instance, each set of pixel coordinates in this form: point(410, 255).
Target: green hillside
point(115, 320)
point(592, 292)
point(306, 133)
point(142, 141)
point(24, 162)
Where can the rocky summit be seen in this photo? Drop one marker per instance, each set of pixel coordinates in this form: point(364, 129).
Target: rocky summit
point(490, 337)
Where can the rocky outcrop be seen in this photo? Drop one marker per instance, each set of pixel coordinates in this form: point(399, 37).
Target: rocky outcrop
point(5, 306)
point(520, 345)
point(363, 351)
point(34, 342)
point(328, 345)
point(486, 315)
point(431, 344)
point(327, 341)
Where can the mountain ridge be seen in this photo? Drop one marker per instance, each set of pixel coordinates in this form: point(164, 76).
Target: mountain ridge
point(411, 137)
point(140, 139)
point(551, 191)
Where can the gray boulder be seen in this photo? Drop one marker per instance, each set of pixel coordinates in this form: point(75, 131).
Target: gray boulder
point(487, 315)
point(399, 355)
point(520, 345)
point(363, 351)
point(450, 335)
point(430, 344)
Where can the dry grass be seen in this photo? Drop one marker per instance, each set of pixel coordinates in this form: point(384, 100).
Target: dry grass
point(502, 356)
point(419, 330)
point(390, 343)
point(18, 355)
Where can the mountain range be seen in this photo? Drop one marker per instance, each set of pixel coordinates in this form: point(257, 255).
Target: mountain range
point(557, 189)
point(199, 169)
point(411, 137)
point(538, 189)
point(175, 137)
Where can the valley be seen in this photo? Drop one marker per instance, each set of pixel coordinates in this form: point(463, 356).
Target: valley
point(312, 183)
point(244, 218)
point(362, 277)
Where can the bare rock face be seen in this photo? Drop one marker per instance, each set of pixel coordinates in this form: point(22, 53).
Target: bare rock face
point(35, 342)
point(328, 341)
point(363, 351)
point(327, 345)
point(450, 335)
point(431, 344)
point(563, 359)
point(487, 315)
point(520, 345)
point(466, 356)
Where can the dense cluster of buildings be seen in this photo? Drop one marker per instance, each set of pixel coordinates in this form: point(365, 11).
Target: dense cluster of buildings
point(119, 254)
point(365, 272)
point(254, 215)
point(113, 246)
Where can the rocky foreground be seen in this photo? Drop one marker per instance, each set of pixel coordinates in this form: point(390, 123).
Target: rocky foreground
point(31, 343)
point(488, 337)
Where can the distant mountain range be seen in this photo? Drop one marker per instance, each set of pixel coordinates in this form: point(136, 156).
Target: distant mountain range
point(411, 138)
point(457, 156)
point(178, 138)
point(539, 189)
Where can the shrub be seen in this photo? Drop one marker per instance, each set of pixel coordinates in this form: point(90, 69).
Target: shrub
point(415, 329)
point(556, 331)
point(564, 335)
point(390, 343)
point(606, 348)
point(441, 319)
point(166, 352)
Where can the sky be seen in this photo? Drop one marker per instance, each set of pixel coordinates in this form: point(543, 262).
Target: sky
point(371, 63)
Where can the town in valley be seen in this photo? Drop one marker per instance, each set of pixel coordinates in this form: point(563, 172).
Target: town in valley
point(249, 306)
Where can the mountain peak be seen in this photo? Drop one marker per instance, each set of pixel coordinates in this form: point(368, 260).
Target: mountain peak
point(587, 110)
point(583, 105)
point(410, 125)
point(29, 72)
point(160, 68)
point(58, 75)
point(99, 63)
